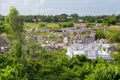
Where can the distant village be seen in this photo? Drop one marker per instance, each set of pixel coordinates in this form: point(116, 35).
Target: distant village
point(76, 40)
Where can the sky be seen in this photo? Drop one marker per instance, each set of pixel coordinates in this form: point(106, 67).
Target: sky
point(56, 7)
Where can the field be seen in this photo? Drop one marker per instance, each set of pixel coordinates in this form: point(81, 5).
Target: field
point(37, 25)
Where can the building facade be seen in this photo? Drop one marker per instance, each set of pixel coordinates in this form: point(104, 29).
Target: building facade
point(91, 50)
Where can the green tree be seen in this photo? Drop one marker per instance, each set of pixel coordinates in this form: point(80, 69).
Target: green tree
point(104, 71)
point(14, 28)
point(75, 17)
point(110, 20)
point(14, 21)
point(1, 24)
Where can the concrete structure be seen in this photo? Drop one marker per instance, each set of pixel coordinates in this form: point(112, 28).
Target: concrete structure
point(91, 50)
point(90, 38)
point(4, 45)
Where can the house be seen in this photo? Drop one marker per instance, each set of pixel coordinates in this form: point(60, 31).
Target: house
point(36, 20)
point(91, 50)
point(75, 49)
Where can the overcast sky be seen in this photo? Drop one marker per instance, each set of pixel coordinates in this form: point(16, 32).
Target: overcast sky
point(48, 7)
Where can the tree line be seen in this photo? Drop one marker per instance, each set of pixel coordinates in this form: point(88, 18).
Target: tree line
point(109, 19)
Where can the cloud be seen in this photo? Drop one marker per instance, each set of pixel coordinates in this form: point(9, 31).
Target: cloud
point(42, 2)
point(33, 2)
point(24, 6)
point(84, 7)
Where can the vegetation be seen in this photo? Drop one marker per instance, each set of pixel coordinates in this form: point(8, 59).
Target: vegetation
point(49, 25)
point(66, 24)
point(26, 60)
point(116, 37)
point(31, 25)
point(99, 34)
point(42, 25)
point(104, 19)
point(1, 24)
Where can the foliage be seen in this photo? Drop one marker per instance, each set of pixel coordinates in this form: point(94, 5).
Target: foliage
point(116, 37)
point(26, 60)
point(66, 24)
point(31, 25)
point(2, 29)
point(49, 25)
point(116, 55)
point(14, 22)
point(42, 25)
point(99, 34)
point(75, 17)
point(113, 35)
point(104, 72)
point(1, 19)
point(14, 29)
point(1, 24)
point(53, 25)
point(110, 20)
point(10, 68)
